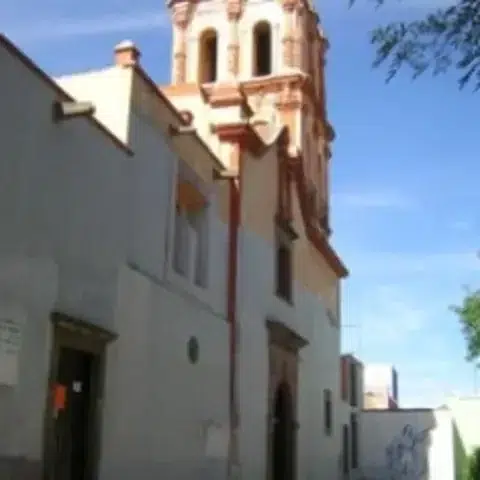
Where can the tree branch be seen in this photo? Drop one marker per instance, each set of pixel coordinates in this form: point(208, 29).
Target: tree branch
point(448, 38)
point(469, 316)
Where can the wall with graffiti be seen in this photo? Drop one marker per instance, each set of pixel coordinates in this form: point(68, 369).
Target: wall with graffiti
point(411, 444)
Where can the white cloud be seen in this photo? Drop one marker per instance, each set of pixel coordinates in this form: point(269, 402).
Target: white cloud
point(391, 321)
point(382, 320)
point(57, 29)
point(404, 263)
point(423, 392)
point(392, 315)
point(399, 326)
point(419, 388)
point(373, 199)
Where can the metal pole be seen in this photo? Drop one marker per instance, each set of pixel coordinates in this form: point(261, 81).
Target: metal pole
point(359, 336)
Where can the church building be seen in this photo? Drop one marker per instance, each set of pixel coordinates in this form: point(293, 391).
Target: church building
point(250, 77)
point(173, 280)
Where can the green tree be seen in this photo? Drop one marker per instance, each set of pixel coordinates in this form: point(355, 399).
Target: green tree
point(447, 38)
point(469, 316)
point(474, 465)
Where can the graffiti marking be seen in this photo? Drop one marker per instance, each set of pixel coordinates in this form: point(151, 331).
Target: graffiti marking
point(407, 456)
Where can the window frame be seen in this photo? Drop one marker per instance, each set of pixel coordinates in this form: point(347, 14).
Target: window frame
point(354, 442)
point(262, 28)
point(344, 379)
point(328, 412)
point(352, 381)
point(346, 449)
point(207, 72)
point(284, 241)
point(188, 276)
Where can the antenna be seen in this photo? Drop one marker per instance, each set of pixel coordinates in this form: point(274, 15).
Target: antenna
point(358, 327)
point(476, 368)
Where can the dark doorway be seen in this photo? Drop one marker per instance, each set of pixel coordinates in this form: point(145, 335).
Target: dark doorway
point(73, 411)
point(74, 398)
point(283, 465)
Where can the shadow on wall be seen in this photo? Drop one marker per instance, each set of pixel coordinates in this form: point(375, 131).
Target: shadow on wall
point(400, 449)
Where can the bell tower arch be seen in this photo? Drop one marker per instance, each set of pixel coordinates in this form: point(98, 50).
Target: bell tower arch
point(269, 54)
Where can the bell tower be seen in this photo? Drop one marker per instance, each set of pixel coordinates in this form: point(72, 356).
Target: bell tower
point(270, 53)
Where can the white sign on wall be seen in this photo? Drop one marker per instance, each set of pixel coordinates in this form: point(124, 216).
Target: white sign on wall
point(216, 441)
point(11, 324)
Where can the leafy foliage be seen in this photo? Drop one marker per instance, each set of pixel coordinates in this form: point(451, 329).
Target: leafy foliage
point(469, 316)
point(474, 465)
point(449, 37)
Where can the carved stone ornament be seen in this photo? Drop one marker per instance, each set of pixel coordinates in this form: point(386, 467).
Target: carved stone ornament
point(233, 58)
point(181, 14)
point(288, 96)
point(180, 65)
point(234, 9)
point(288, 51)
point(289, 5)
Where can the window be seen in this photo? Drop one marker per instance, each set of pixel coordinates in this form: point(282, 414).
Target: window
point(284, 270)
point(328, 411)
point(353, 385)
point(345, 450)
point(354, 432)
point(208, 57)
point(190, 253)
point(344, 377)
point(262, 49)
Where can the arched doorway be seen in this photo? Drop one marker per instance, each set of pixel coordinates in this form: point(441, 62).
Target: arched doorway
point(283, 435)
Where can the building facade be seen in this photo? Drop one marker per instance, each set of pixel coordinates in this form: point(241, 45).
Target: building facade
point(412, 443)
point(96, 377)
point(420, 443)
point(351, 385)
point(168, 274)
point(380, 387)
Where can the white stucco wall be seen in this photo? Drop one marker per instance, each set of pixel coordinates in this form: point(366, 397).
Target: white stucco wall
point(106, 89)
point(182, 400)
point(75, 212)
point(317, 452)
point(466, 413)
point(88, 232)
point(420, 442)
point(54, 254)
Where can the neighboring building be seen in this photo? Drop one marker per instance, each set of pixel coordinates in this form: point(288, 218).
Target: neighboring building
point(407, 443)
point(466, 414)
point(380, 387)
point(351, 384)
point(165, 268)
point(420, 443)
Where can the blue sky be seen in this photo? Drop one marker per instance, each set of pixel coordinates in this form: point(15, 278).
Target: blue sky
point(405, 170)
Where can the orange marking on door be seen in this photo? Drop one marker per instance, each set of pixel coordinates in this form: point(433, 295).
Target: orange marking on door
point(59, 397)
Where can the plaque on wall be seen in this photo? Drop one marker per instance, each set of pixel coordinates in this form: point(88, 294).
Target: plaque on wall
point(11, 325)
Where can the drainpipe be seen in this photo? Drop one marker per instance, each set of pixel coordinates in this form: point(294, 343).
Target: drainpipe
point(233, 231)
